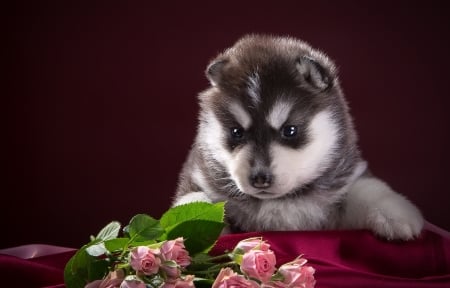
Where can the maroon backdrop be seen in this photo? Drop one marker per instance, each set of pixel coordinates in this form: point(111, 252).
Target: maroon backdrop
point(101, 100)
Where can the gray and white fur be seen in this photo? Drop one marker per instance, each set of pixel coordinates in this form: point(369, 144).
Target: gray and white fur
point(276, 141)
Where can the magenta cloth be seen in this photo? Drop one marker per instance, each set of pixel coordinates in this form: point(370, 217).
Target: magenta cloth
point(34, 266)
point(341, 259)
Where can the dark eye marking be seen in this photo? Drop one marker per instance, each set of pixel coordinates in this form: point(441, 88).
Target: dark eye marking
point(289, 131)
point(236, 133)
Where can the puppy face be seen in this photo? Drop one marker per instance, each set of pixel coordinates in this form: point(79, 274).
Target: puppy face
point(273, 116)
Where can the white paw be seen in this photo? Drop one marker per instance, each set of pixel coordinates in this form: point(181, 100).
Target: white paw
point(395, 218)
point(191, 197)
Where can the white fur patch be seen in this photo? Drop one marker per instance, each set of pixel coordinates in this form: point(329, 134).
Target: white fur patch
point(239, 168)
point(199, 179)
point(293, 168)
point(192, 197)
point(211, 137)
point(253, 88)
point(372, 204)
point(279, 114)
point(241, 116)
point(291, 214)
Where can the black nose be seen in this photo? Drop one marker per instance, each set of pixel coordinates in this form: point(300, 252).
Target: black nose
point(261, 180)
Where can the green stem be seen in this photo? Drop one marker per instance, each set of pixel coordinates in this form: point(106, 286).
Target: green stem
point(125, 248)
point(220, 257)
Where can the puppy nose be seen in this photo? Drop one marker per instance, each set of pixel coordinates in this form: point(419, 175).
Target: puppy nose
point(261, 180)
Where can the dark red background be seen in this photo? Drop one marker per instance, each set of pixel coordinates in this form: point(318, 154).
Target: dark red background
point(101, 100)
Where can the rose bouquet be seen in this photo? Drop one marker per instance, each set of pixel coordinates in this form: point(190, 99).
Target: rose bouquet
point(173, 252)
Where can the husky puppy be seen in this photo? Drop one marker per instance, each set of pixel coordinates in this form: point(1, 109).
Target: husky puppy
point(276, 142)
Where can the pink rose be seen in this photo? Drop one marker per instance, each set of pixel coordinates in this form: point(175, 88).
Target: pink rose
point(143, 260)
point(259, 264)
point(171, 269)
point(307, 277)
point(297, 274)
point(227, 278)
point(250, 244)
point(187, 282)
point(112, 280)
point(93, 284)
point(175, 250)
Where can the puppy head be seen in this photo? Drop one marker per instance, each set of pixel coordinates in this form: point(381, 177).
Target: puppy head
point(274, 115)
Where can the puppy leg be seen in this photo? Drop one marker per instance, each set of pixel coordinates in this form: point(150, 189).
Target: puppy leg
point(192, 197)
point(372, 204)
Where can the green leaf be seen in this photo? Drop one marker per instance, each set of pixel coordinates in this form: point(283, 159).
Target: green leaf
point(192, 211)
point(97, 249)
point(83, 268)
point(200, 262)
point(73, 279)
point(143, 228)
point(97, 269)
point(170, 263)
point(199, 223)
point(110, 231)
point(76, 272)
point(81, 258)
point(116, 244)
point(199, 235)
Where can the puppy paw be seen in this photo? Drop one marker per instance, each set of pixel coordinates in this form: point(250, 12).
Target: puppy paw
point(192, 197)
point(395, 219)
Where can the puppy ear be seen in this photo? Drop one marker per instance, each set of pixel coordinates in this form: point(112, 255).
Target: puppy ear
point(313, 73)
point(214, 70)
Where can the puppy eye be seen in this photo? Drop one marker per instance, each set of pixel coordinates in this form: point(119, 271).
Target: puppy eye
point(237, 132)
point(289, 131)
